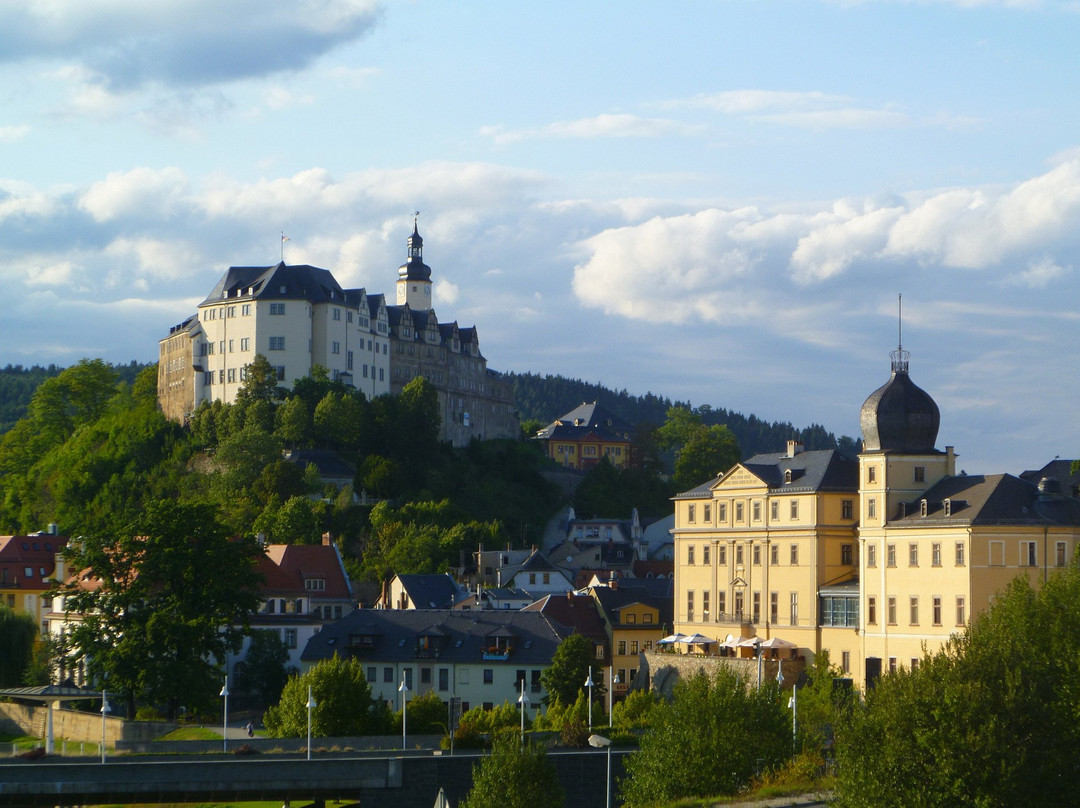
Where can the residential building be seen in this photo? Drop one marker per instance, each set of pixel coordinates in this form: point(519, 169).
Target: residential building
point(27, 566)
point(579, 439)
point(582, 614)
point(637, 616)
point(540, 577)
point(480, 657)
point(300, 316)
point(423, 591)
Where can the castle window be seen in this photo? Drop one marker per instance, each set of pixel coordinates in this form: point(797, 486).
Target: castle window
point(920, 474)
point(871, 474)
point(846, 509)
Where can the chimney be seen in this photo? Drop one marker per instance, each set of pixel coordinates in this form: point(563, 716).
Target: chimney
point(327, 538)
point(794, 447)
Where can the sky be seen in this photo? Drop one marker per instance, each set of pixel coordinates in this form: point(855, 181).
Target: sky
point(718, 201)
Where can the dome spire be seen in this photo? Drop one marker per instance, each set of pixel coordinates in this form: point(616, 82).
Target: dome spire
point(900, 357)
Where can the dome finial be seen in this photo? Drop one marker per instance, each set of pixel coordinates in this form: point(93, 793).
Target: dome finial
point(900, 357)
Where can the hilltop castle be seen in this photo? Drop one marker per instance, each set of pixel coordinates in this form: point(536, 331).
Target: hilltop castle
point(300, 316)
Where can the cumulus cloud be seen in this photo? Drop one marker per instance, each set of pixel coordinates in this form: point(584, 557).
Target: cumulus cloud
point(131, 43)
point(599, 126)
point(138, 192)
point(696, 267)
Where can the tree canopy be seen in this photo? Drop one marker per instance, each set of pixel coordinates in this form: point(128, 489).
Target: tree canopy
point(18, 631)
point(992, 719)
point(161, 603)
point(711, 739)
point(342, 695)
point(515, 775)
point(570, 665)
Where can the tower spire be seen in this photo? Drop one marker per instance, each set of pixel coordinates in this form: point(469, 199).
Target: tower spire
point(900, 357)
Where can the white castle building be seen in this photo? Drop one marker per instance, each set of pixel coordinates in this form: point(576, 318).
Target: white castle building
point(300, 316)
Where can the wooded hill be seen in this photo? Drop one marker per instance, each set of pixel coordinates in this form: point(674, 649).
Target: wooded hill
point(545, 398)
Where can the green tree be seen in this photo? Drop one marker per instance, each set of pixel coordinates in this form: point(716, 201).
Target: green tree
point(292, 422)
point(265, 669)
point(514, 775)
point(708, 452)
point(18, 631)
point(710, 740)
point(337, 420)
point(342, 695)
point(427, 714)
point(992, 719)
point(297, 522)
point(170, 596)
point(260, 382)
point(569, 669)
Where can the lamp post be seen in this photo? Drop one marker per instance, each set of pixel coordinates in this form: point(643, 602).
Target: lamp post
point(403, 689)
point(599, 741)
point(757, 651)
point(613, 679)
point(310, 706)
point(523, 700)
point(225, 716)
point(589, 684)
point(104, 709)
point(794, 705)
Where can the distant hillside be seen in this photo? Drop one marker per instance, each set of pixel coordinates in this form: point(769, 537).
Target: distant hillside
point(545, 398)
point(17, 386)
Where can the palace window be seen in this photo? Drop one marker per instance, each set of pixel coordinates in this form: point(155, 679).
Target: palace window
point(847, 509)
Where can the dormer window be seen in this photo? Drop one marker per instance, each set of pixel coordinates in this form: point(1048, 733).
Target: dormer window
point(922, 507)
point(315, 584)
point(787, 475)
point(947, 505)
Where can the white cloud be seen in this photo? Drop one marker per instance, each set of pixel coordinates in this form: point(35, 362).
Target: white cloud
point(138, 192)
point(446, 292)
point(1039, 274)
point(600, 126)
point(9, 134)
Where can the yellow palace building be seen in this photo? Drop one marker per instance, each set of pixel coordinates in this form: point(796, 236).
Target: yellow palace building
point(871, 559)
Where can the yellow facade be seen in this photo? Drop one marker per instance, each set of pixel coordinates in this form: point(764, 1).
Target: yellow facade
point(751, 555)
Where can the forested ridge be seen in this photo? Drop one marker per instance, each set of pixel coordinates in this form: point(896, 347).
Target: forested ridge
point(544, 398)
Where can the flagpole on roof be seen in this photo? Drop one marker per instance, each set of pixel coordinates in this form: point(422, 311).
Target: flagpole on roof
point(284, 238)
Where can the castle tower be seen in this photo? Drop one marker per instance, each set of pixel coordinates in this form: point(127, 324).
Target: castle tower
point(414, 276)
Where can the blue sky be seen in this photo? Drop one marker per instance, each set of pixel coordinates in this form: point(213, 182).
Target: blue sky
point(714, 201)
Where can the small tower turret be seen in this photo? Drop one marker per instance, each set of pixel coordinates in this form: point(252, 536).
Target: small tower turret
point(414, 276)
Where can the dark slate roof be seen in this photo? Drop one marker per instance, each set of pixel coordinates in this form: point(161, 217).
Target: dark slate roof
point(614, 599)
point(997, 499)
point(300, 282)
point(458, 636)
point(431, 591)
point(537, 562)
point(823, 470)
point(1061, 470)
point(587, 419)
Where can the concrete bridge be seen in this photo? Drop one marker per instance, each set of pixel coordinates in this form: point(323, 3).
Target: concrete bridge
point(404, 781)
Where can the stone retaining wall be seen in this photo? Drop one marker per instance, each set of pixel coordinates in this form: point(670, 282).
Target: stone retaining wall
point(23, 719)
point(666, 669)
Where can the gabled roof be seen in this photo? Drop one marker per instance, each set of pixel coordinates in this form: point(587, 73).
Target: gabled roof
point(463, 636)
point(614, 599)
point(579, 612)
point(291, 565)
point(585, 421)
point(432, 591)
point(36, 551)
point(996, 499)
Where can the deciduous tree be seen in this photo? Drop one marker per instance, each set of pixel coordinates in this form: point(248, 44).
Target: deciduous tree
point(18, 631)
point(343, 701)
point(161, 604)
point(569, 670)
point(514, 775)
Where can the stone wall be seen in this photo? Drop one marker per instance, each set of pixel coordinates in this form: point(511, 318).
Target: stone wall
point(77, 726)
point(666, 669)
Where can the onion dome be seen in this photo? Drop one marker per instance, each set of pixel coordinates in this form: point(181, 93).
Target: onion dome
point(899, 416)
point(415, 269)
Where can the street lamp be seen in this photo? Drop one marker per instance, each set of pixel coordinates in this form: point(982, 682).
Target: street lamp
point(403, 689)
point(523, 700)
point(599, 741)
point(104, 709)
point(613, 679)
point(310, 706)
point(589, 684)
point(225, 716)
point(757, 651)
